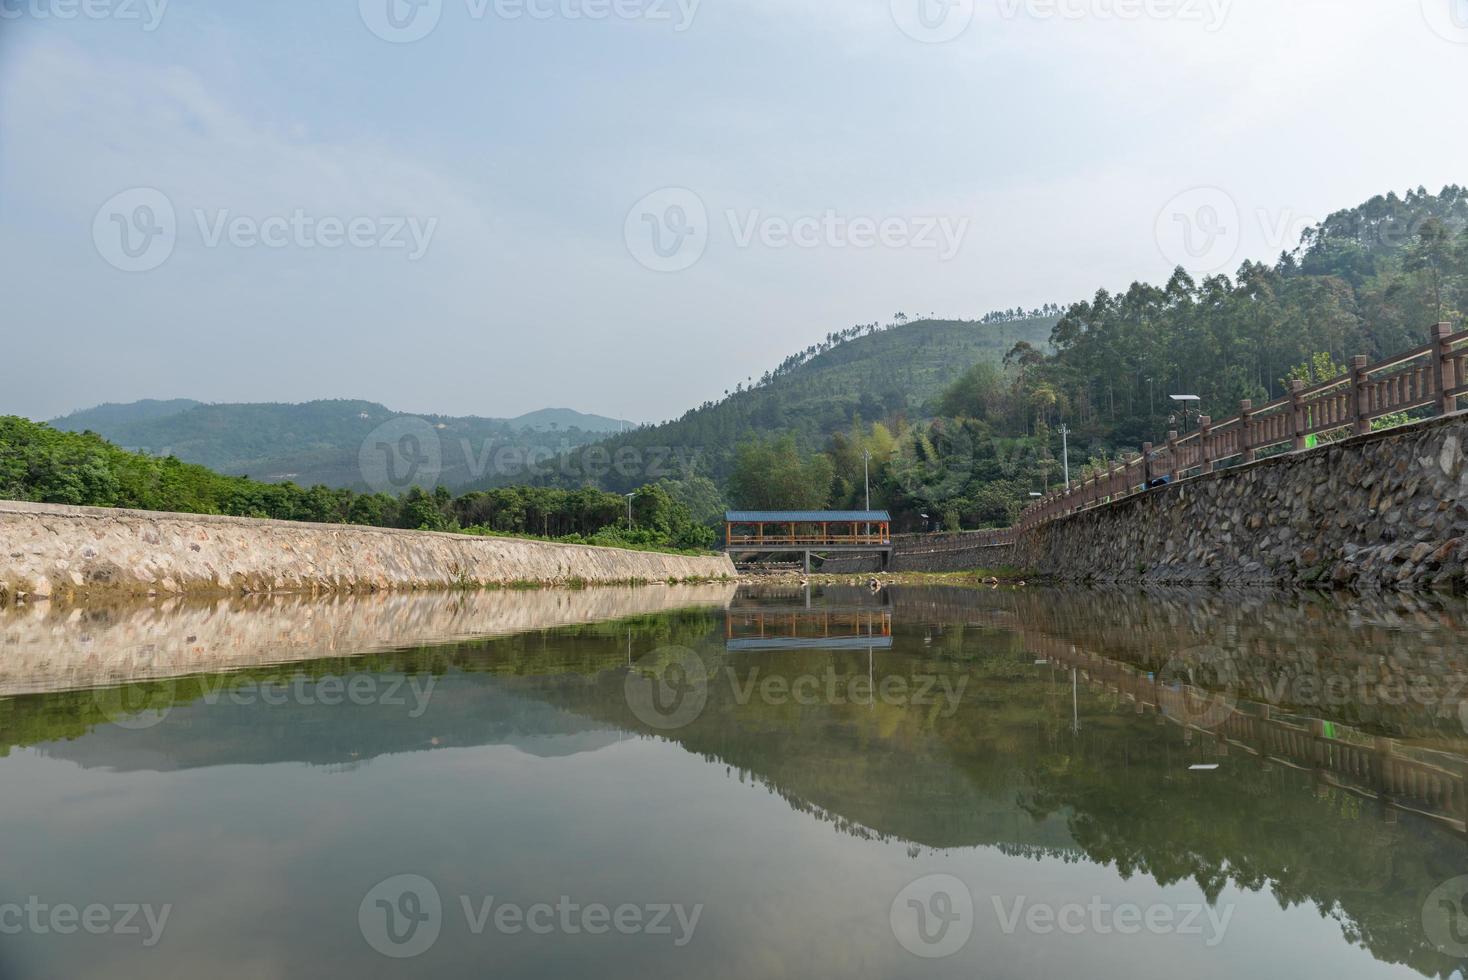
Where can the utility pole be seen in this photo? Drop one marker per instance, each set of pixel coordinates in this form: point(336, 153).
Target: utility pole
point(1065, 451)
point(866, 474)
point(866, 479)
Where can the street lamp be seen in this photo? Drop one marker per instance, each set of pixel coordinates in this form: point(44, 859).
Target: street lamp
point(1186, 402)
point(629, 497)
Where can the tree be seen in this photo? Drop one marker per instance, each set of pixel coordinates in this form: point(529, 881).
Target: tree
point(977, 393)
point(1431, 258)
point(773, 475)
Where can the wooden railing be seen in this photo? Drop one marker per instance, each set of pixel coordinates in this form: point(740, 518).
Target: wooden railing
point(807, 540)
point(1433, 375)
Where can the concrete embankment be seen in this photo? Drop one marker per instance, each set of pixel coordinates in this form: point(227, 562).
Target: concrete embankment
point(1387, 509)
point(49, 551)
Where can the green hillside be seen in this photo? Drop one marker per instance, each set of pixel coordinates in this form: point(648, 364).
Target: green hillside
point(320, 442)
point(870, 371)
point(1369, 280)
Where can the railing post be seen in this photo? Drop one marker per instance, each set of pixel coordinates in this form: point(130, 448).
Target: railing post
point(1297, 410)
point(1447, 371)
point(1146, 465)
point(1359, 383)
point(1246, 429)
point(1205, 448)
point(1172, 470)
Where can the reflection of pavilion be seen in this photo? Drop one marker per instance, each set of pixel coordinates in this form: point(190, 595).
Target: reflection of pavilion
point(819, 628)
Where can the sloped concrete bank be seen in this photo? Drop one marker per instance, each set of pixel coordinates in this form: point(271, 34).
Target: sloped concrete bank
point(48, 551)
point(1384, 510)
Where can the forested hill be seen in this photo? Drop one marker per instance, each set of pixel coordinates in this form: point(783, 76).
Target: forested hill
point(320, 441)
point(872, 371)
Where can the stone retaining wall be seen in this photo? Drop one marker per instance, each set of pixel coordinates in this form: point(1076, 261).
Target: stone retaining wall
point(952, 551)
point(1384, 510)
point(48, 551)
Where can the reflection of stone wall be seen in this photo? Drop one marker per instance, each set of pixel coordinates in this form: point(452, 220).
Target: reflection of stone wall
point(1391, 662)
point(45, 647)
point(1388, 509)
point(61, 552)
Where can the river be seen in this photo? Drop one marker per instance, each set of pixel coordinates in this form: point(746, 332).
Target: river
point(704, 781)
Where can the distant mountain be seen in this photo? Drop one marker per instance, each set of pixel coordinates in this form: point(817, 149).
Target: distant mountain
point(113, 414)
point(550, 419)
point(323, 441)
point(875, 372)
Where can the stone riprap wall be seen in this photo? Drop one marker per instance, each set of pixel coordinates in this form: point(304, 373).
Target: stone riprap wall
point(850, 565)
point(51, 647)
point(954, 551)
point(47, 551)
point(1384, 510)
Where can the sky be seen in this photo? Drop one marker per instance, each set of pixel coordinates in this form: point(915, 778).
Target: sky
point(628, 206)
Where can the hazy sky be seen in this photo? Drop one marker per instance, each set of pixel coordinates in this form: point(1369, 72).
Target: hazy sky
point(626, 206)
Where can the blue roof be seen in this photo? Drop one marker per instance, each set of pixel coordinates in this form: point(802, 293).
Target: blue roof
point(805, 516)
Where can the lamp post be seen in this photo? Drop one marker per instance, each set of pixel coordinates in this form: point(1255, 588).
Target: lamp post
point(1185, 402)
point(629, 497)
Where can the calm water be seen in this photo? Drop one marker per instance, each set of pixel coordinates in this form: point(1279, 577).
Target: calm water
point(918, 783)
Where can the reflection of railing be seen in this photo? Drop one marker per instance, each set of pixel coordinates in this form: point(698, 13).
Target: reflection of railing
point(1369, 765)
point(1435, 374)
point(755, 629)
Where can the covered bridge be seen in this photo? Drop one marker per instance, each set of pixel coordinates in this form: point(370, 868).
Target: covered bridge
point(772, 532)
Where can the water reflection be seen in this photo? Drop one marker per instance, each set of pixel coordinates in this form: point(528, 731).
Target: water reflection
point(1030, 744)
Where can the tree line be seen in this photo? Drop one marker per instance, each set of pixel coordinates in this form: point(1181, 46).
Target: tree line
point(46, 465)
